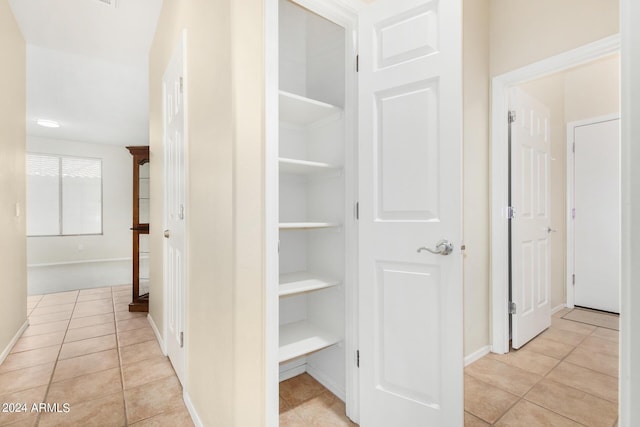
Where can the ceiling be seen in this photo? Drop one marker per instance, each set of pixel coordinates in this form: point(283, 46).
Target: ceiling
point(87, 67)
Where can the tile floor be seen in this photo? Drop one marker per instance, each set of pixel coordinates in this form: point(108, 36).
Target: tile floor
point(85, 349)
point(567, 376)
point(304, 402)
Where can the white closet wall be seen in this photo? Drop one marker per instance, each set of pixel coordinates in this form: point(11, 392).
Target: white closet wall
point(312, 197)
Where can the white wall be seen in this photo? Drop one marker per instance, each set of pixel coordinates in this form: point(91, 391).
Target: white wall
point(74, 257)
point(630, 295)
point(13, 282)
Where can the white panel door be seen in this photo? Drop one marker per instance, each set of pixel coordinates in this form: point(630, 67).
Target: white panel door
point(597, 215)
point(410, 301)
point(174, 214)
point(530, 227)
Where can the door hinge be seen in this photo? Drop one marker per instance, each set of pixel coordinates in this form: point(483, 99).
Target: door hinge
point(181, 339)
point(357, 210)
point(573, 148)
point(357, 358)
point(357, 63)
point(181, 213)
point(573, 279)
point(512, 308)
point(511, 212)
point(181, 84)
point(573, 213)
point(512, 116)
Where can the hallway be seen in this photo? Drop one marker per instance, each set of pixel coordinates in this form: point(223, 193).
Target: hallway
point(85, 349)
point(566, 376)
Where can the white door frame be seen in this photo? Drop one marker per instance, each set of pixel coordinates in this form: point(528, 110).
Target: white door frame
point(571, 126)
point(499, 172)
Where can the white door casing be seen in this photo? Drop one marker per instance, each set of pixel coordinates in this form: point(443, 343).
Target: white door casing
point(174, 119)
point(597, 215)
point(410, 302)
point(530, 226)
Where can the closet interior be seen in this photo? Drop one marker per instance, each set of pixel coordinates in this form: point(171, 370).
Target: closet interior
point(312, 197)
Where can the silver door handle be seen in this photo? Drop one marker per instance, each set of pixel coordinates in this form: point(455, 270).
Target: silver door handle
point(166, 234)
point(443, 247)
point(549, 230)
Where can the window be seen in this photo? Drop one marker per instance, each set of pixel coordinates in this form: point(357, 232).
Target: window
point(64, 195)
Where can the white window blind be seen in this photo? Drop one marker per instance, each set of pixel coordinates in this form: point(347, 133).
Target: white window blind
point(64, 195)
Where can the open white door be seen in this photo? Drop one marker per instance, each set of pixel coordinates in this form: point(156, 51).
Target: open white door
point(174, 214)
point(597, 215)
point(530, 225)
point(410, 302)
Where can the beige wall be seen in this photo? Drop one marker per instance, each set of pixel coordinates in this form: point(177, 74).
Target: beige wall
point(476, 173)
point(13, 251)
point(593, 90)
point(225, 317)
point(523, 31)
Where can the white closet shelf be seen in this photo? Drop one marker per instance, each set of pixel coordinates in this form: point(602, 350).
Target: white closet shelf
point(304, 167)
point(299, 282)
point(300, 338)
point(306, 225)
point(300, 110)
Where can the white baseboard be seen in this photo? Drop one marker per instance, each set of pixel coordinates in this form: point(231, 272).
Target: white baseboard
point(157, 333)
point(68, 276)
point(13, 341)
point(293, 372)
point(557, 308)
point(192, 411)
point(326, 381)
point(476, 355)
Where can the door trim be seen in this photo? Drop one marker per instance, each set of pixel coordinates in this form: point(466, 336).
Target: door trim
point(570, 178)
point(499, 275)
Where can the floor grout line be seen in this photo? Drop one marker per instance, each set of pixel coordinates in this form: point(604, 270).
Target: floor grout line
point(55, 363)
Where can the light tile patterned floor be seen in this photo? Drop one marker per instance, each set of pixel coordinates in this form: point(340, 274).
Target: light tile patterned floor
point(85, 349)
point(304, 402)
point(567, 376)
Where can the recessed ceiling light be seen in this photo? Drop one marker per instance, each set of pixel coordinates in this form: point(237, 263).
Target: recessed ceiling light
point(48, 123)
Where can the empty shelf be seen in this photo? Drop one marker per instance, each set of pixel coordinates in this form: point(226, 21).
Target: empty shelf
point(304, 167)
point(306, 225)
point(296, 283)
point(299, 110)
point(300, 338)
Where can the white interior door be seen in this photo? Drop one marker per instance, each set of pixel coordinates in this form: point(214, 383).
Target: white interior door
point(410, 302)
point(597, 215)
point(530, 226)
point(174, 196)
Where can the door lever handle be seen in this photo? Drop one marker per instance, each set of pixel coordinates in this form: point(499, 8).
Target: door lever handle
point(166, 234)
point(549, 230)
point(443, 247)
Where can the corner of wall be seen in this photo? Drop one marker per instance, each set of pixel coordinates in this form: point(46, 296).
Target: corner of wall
point(13, 252)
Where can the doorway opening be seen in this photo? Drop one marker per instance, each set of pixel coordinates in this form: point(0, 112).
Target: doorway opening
point(541, 76)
